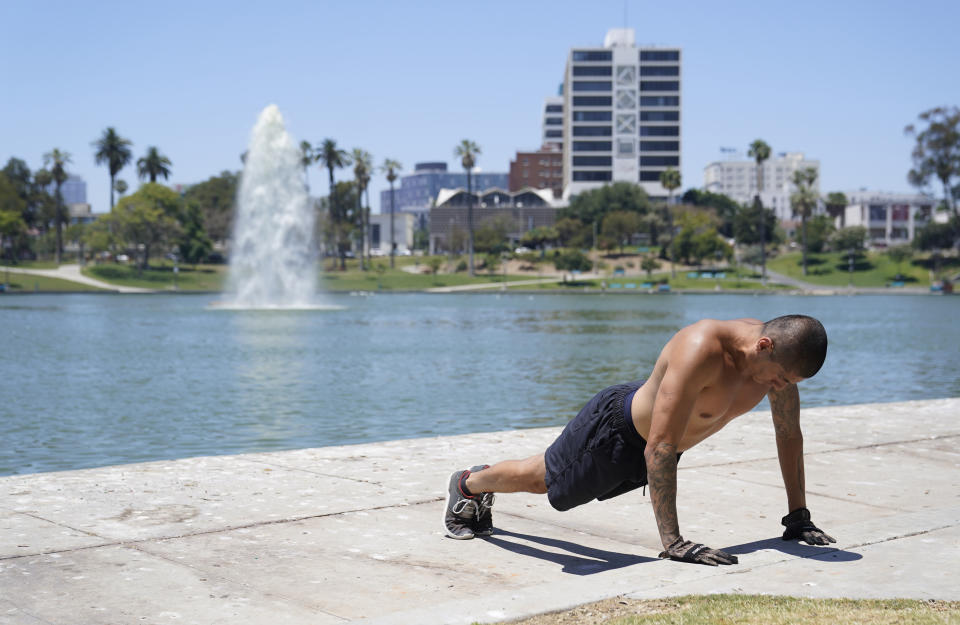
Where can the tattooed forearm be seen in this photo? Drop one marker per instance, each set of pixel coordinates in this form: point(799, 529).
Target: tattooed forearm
point(662, 477)
point(785, 406)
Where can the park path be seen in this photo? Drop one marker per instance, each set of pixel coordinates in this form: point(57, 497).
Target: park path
point(72, 273)
point(334, 535)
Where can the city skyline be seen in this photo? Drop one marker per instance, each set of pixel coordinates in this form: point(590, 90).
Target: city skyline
point(837, 83)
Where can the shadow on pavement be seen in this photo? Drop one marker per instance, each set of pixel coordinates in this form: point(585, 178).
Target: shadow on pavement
point(592, 560)
point(795, 548)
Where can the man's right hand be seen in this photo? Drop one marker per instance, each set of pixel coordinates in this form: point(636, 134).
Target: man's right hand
point(686, 551)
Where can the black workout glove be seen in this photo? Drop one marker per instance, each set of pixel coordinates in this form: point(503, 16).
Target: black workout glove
point(685, 551)
point(799, 526)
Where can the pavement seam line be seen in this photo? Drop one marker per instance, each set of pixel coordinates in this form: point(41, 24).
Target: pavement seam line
point(141, 548)
point(311, 472)
point(232, 528)
point(825, 451)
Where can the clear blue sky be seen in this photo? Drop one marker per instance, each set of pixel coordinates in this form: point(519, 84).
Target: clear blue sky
point(408, 80)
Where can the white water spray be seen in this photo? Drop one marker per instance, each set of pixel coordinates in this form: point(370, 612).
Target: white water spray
point(272, 260)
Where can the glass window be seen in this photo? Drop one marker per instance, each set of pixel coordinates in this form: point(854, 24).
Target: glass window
point(592, 70)
point(626, 99)
point(625, 148)
point(659, 85)
point(660, 55)
point(592, 55)
point(592, 131)
point(626, 123)
point(553, 133)
point(592, 100)
point(659, 100)
point(591, 176)
point(659, 70)
point(659, 116)
point(592, 116)
point(659, 146)
point(659, 131)
point(554, 108)
point(554, 121)
point(878, 213)
point(901, 212)
point(592, 161)
point(592, 146)
point(626, 74)
point(659, 161)
point(592, 85)
point(650, 176)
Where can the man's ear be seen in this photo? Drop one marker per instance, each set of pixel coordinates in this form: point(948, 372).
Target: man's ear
point(764, 343)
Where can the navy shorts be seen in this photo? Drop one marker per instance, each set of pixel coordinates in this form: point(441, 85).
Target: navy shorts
point(599, 454)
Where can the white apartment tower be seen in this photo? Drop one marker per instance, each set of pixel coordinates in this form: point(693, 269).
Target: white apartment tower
point(552, 131)
point(737, 179)
point(621, 114)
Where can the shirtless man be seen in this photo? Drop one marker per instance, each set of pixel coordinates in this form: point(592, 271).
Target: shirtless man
point(630, 435)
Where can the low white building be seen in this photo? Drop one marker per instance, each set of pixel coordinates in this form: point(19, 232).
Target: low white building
point(403, 226)
point(890, 218)
point(737, 179)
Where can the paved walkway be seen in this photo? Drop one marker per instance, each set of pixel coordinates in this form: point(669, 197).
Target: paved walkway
point(343, 534)
point(72, 273)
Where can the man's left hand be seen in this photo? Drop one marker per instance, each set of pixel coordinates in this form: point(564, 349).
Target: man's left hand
point(798, 525)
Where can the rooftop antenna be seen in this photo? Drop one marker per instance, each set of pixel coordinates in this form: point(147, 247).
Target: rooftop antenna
point(729, 153)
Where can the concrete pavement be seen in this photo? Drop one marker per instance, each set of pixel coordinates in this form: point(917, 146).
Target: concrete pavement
point(353, 533)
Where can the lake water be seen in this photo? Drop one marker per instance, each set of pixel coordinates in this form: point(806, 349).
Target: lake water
point(91, 380)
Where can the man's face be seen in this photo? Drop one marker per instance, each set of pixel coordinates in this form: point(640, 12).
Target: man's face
point(772, 374)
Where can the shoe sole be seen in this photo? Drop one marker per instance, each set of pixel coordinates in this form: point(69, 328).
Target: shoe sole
point(447, 507)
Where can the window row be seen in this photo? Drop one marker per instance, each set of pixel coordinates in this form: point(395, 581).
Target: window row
point(553, 133)
point(592, 161)
point(592, 85)
point(659, 131)
point(592, 55)
point(659, 70)
point(659, 85)
point(592, 146)
point(592, 116)
point(659, 161)
point(592, 131)
point(553, 121)
point(660, 55)
point(592, 70)
point(554, 108)
point(592, 176)
point(659, 116)
point(592, 100)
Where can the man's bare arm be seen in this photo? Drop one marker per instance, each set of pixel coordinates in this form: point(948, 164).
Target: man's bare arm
point(785, 406)
point(662, 477)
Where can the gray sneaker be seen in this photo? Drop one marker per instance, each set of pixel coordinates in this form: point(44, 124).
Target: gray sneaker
point(461, 511)
point(483, 524)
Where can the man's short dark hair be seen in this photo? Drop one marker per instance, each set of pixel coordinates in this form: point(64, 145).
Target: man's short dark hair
point(799, 343)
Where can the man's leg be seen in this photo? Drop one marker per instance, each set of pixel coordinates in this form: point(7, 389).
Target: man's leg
point(468, 512)
point(510, 476)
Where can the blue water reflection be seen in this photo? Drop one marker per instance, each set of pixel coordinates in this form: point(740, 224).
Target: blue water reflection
point(96, 380)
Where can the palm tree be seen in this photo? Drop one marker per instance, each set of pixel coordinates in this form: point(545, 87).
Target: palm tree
point(468, 152)
point(57, 160)
point(670, 180)
point(836, 206)
point(121, 187)
point(803, 202)
point(391, 167)
point(332, 157)
point(362, 164)
point(153, 164)
point(113, 150)
point(307, 157)
point(760, 151)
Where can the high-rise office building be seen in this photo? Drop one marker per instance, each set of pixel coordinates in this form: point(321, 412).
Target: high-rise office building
point(621, 114)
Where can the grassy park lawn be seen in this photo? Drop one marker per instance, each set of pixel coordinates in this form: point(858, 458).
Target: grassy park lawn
point(754, 610)
point(160, 276)
point(870, 269)
point(26, 283)
point(382, 278)
point(730, 282)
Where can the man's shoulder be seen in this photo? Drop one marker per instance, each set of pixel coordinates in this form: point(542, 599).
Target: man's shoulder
point(701, 340)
